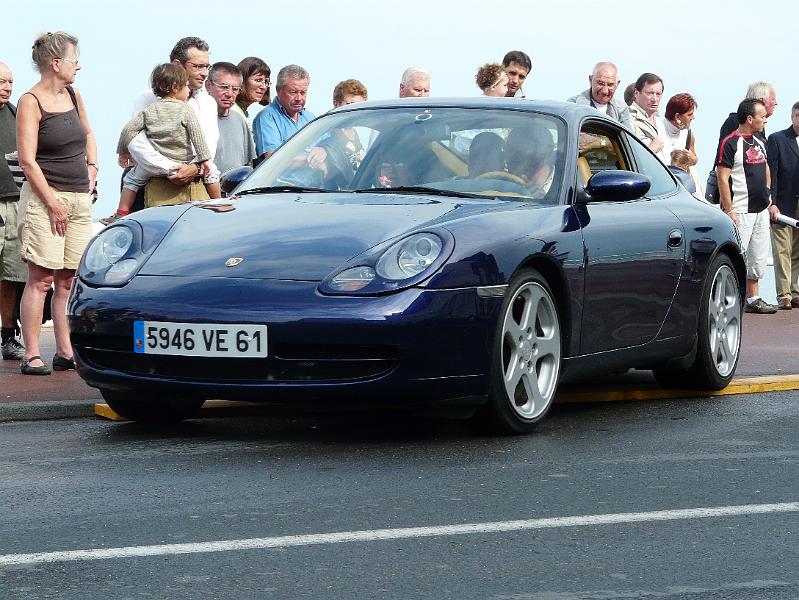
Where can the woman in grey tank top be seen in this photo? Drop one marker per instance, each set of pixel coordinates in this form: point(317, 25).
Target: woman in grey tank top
point(58, 153)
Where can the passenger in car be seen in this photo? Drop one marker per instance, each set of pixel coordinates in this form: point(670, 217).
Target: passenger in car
point(339, 155)
point(486, 154)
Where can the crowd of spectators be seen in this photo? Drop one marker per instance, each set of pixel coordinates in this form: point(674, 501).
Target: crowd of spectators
point(195, 122)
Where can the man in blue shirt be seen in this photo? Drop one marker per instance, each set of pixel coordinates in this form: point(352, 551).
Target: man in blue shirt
point(286, 114)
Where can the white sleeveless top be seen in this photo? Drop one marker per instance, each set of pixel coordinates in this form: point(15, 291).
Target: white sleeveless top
point(675, 139)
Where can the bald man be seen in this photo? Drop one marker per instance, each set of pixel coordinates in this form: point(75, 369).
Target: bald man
point(12, 269)
point(604, 82)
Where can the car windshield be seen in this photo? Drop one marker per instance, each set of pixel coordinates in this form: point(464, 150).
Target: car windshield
point(466, 151)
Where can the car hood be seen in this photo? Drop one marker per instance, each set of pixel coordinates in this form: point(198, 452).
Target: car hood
point(296, 236)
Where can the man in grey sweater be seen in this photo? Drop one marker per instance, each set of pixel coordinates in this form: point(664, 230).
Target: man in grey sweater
point(604, 82)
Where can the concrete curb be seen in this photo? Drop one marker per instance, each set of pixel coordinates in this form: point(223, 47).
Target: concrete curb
point(73, 409)
point(38, 411)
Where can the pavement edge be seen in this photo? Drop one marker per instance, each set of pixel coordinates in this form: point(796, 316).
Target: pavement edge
point(73, 409)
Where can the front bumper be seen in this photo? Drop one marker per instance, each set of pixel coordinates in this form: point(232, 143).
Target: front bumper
point(413, 346)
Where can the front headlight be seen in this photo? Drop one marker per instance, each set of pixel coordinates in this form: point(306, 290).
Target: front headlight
point(409, 257)
point(108, 248)
point(392, 265)
point(113, 257)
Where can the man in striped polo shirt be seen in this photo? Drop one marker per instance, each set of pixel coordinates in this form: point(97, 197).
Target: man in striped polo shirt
point(744, 182)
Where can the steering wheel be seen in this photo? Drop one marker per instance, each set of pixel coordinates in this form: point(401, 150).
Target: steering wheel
point(503, 175)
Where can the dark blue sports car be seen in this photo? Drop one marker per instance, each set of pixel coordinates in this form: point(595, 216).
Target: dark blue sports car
point(420, 251)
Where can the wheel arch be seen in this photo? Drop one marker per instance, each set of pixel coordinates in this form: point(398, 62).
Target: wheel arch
point(738, 262)
point(552, 272)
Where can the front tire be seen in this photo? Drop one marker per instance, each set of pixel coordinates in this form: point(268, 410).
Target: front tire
point(718, 342)
point(148, 408)
point(526, 359)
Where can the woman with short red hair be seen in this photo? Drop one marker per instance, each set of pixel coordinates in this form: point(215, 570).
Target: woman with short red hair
point(678, 117)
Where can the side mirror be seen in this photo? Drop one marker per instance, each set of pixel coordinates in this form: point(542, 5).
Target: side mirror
point(616, 186)
point(233, 177)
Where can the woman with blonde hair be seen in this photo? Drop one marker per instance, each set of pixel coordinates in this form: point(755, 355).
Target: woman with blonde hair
point(58, 154)
point(492, 80)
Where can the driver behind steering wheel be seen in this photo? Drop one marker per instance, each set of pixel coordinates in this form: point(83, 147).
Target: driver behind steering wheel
point(530, 154)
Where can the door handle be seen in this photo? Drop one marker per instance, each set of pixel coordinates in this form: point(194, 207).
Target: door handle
point(675, 238)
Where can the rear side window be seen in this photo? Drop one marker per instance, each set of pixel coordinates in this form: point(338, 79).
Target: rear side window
point(649, 165)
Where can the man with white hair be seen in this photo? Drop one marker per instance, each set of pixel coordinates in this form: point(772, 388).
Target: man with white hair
point(604, 82)
point(415, 83)
point(758, 90)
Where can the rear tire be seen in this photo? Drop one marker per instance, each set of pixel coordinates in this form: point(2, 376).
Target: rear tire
point(718, 343)
point(148, 408)
point(526, 359)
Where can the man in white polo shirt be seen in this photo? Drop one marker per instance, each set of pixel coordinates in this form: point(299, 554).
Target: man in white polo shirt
point(193, 55)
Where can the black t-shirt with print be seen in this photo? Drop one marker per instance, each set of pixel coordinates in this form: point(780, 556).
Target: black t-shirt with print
point(745, 155)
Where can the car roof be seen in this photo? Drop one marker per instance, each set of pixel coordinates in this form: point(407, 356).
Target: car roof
point(569, 111)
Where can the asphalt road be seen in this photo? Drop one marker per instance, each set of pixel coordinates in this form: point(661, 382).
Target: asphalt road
point(112, 487)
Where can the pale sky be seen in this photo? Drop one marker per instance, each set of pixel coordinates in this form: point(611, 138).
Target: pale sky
point(711, 50)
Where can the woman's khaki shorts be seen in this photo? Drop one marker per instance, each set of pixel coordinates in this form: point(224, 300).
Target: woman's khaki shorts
point(39, 245)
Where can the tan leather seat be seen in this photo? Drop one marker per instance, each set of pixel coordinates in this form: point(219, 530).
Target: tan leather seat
point(585, 170)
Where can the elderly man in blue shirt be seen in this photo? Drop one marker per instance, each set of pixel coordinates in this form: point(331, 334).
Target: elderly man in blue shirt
point(286, 114)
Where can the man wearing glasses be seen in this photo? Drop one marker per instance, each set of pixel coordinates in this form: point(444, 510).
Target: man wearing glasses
point(236, 147)
point(184, 185)
point(604, 82)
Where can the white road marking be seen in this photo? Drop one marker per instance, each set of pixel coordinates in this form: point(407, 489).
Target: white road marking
point(395, 534)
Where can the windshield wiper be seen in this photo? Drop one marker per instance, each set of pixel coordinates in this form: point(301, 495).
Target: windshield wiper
point(277, 189)
point(415, 189)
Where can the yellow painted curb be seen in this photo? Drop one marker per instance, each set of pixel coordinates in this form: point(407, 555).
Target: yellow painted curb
point(739, 385)
point(106, 412)
point(211, 408)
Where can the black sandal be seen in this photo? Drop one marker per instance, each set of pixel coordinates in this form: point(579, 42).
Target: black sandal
point(26, 368)
point(63, 364)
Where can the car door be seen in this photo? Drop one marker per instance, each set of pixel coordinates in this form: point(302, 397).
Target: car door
point(634, 249)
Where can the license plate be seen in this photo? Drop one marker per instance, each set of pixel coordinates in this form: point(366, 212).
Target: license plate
point(199, 339)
